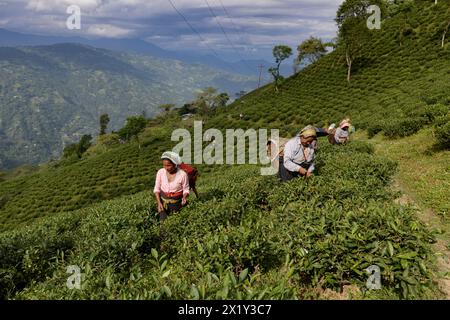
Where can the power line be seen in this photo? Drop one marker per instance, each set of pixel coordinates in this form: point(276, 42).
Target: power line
point(243, 39)
point(232, 22)
point(261, 67)
point(226, 35)
point(199, 35)
point(203, 40)
point(193, 29)
point(243, 36)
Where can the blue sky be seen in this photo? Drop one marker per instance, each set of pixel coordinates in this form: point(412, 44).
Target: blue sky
point(253, 27)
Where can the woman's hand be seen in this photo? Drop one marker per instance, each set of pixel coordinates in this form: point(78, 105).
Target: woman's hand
point(309, 174)
point(302, 171)
point(160, 207)
point(184, 201)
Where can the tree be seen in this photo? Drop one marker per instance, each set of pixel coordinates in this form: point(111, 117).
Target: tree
point(104, 121)
point(167, 107)
point(352, 38)
point(351, 19)
point(206, 99)
point(445, 34)
point(187, 108)
point(78, 149)
point(84, 144)
point(240, 94)
point(309, 51)
point(70, 150)
point(280, 53)
point(352, 9)
point(132, 128)
point(221, 100)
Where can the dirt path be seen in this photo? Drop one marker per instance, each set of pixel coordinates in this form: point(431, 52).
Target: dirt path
point(429, 217)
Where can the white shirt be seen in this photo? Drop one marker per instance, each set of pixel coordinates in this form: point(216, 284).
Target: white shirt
point(297, 156)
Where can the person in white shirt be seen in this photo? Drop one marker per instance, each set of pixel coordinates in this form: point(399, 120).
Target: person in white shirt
point(342, 134)
point(299, 156)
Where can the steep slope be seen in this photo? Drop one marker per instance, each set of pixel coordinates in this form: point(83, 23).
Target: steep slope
point(392, 82)
point(251, 239)
point(248, 236)
point(403, 69)
point(51, 95)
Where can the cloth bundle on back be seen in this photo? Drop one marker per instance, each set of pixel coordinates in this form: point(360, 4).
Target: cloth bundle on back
point(274, 151)
point(341, 135)
point(192, 173)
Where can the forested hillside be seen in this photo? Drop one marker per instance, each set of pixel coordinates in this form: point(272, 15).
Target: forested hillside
point(52, 95)
point(250, 236)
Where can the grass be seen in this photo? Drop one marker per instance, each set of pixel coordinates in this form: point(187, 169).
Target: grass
point(424, 170)
point(424, 179)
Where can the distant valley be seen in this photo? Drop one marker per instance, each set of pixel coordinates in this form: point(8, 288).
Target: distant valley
point(51, 95)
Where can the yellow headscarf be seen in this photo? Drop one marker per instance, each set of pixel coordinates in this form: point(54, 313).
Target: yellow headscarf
point(308, 131)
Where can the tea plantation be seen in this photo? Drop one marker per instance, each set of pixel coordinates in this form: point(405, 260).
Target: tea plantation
point(393, 88)
point(253, 238)
point(248, 236)
point(397, 78)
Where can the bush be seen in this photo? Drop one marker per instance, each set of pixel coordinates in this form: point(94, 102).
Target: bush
point(432, 113)
point(442, 130)
point(374, 128)
point(403, 128)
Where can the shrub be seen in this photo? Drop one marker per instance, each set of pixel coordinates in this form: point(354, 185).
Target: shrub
point(433, 112)
point(442, 130)
point(403, 128)
point(374, 128)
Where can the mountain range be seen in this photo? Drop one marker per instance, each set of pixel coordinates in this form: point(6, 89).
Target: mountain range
point(248, 67)
point(51, 95)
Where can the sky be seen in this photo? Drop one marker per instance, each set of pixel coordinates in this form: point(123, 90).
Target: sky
point(232, 29)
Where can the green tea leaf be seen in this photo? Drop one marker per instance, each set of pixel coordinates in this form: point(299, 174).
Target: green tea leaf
point(408, 256)
point(166, 274)
point(390, 248)
point(154, 253)
point(243, 275)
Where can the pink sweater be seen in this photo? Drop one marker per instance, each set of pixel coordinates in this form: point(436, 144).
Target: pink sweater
point(179, 183)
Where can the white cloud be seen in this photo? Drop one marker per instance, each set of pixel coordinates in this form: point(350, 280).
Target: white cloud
point(108, 31)
point(254, 22)
point(60, 5)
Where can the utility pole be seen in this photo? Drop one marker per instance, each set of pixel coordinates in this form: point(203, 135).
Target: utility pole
point(261, 67)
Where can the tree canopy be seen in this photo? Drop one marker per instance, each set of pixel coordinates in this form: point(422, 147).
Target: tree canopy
point(280, 53)
point(309, 51)
point(133, 127)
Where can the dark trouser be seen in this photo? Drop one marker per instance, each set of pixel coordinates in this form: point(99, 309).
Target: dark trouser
point(321, 132)
point(284, 174)
point(171, 204)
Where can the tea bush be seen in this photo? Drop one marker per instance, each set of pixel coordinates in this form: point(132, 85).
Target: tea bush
point(403, 128)
point(248, 237)
point(442, 130)
point(254, 238)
